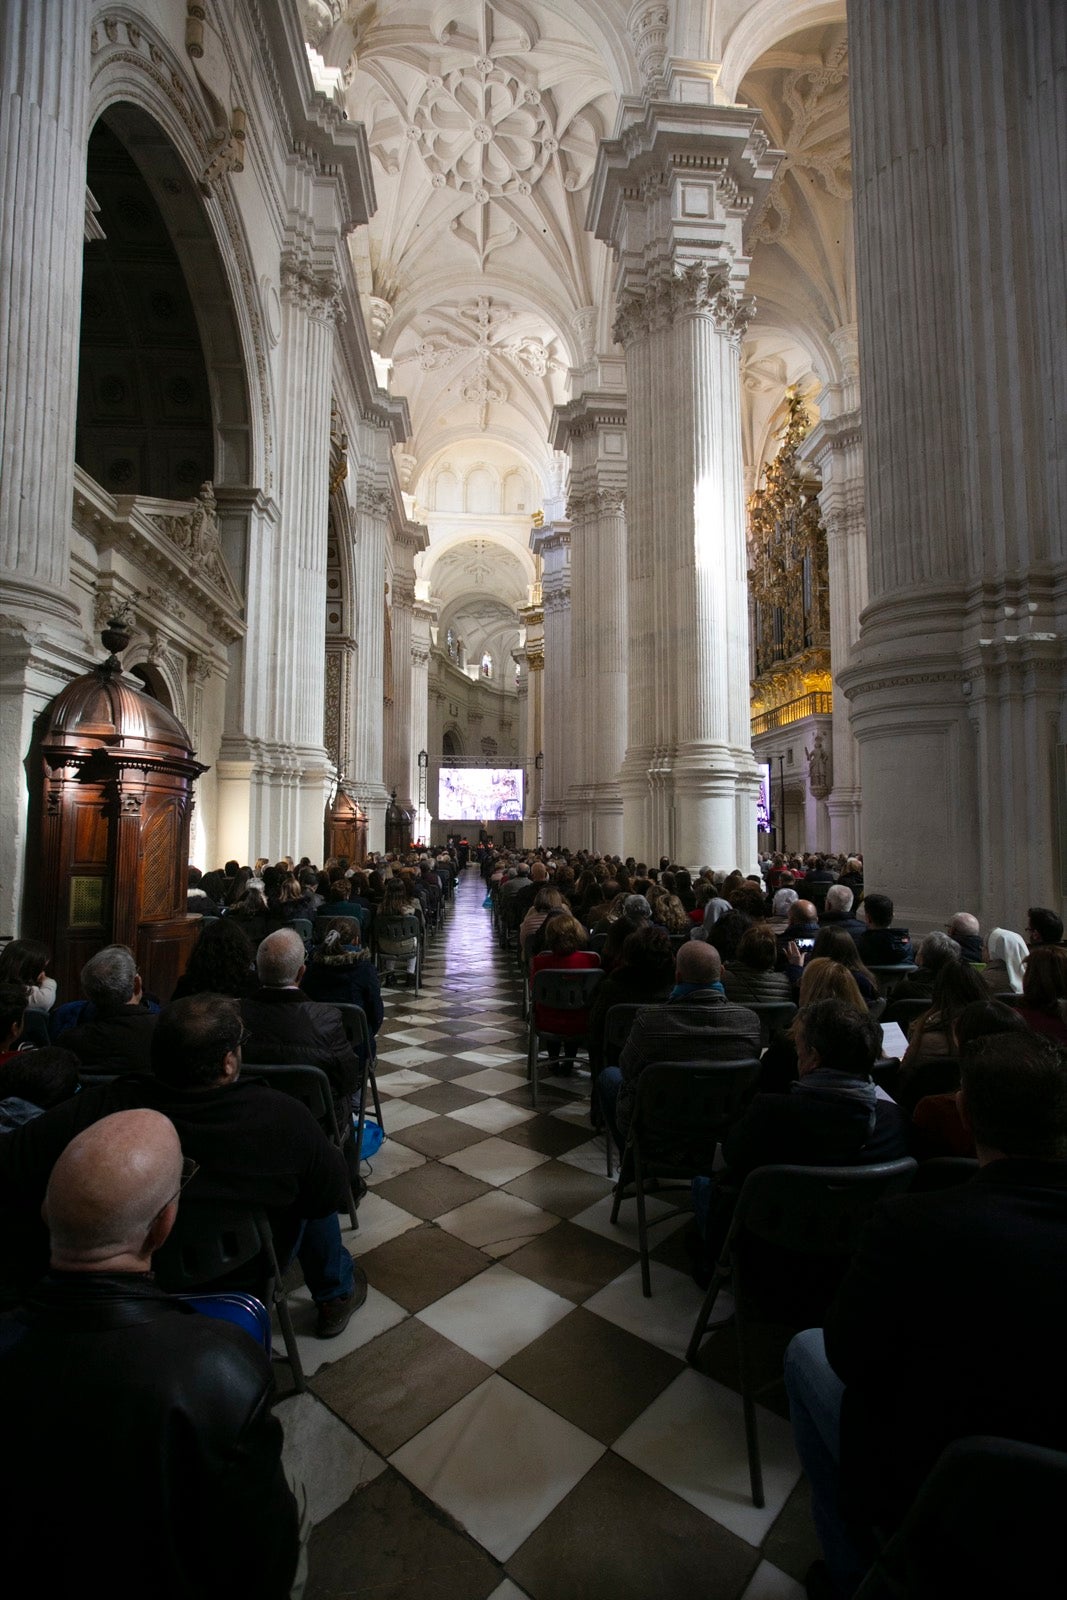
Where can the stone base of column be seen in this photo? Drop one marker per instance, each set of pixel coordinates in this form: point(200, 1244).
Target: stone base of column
point(608, 819)
point(580, 808)
point(36, 662)
point(714, 791)
point(271, 800)
point(374, 798)
point(638, 840)
point(844, 808)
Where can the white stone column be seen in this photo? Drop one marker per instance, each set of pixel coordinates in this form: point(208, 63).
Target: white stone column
point(423, 616)
point(44, 78)
point(553, 544)
point(372, 537)
point(959, 682)
point(592, 428)
point(397, 771)
point(670, 196)
point(835, 449)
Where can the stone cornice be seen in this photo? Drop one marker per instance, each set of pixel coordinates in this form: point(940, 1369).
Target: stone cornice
point(832, 433)
point(595, 408)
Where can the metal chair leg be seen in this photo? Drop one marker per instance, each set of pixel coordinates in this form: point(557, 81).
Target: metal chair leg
point(748, 1402)
point(642, 1225)
point(700, 1327)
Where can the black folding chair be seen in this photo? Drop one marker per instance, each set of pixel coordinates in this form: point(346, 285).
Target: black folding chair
point(888, 976)
point(984, 1502)
point(809, 1211)
point(398, 930)
point(683, 1110)
point(558, 989)
point(313, 1089)
point(905, 1012)
point(210, 1242)
point(617, 1025)
point(943, 1172)
point(772, 1014)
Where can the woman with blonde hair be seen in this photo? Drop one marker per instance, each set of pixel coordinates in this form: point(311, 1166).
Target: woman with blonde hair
point(822, 979)
point(545, 900)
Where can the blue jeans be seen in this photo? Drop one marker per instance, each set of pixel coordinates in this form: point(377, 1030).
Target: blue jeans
point(326, 1264)
point(815, 1392)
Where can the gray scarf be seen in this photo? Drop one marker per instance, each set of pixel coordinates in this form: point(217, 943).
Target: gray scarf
point(827, 1081)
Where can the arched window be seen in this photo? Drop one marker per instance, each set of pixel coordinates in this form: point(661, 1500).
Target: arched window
point(487, 665)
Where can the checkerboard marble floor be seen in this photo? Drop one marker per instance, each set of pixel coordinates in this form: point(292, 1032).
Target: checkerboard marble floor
point(507, 1416)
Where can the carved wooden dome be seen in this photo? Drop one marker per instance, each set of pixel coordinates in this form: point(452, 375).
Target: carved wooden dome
point(107, 708)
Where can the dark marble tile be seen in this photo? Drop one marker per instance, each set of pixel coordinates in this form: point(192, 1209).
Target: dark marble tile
point(571, 1261)
point(791, 1543)
point(596, 1375)
point(767, 1342)
point(441, 1137)
point(422, 1265)
point(390, 1542)
point(557, 1187)
point(431, 1190)
point(548, 1135)
point(445, 1097)
point(390, 1389)
point(619, 1535)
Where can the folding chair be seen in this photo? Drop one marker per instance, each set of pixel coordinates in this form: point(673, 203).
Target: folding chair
point(887, 977)
point(357, 1031)
point(810, 1211)
point(772, 1014)
point(302, 926)
point(617, 1025)
point(683, 1110)
point(398, 930)
point(905, 1011)
point(313, 1089)
point(211, 1241)
point(558, 989)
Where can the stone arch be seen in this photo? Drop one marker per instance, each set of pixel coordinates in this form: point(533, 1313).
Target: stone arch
point(763, 26)
point(152, 100)
point(451, 743)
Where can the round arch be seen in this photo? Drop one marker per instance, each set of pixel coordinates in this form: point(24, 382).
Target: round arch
point(761, 28)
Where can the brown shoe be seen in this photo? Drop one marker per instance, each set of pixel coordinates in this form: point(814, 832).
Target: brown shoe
point(335, 1315)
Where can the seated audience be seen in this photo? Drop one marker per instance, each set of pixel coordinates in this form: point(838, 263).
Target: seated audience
point(801, 931)
point(250, 910)
point(33, 1081)
point(111, 1031)
point(835, 944)
point(784, 900)
point(161, 1411)
point(254, 1145)
point(933, 1034)
point(25, 961)
point(12, 1019)
point(546, 900)
point(751, 975)
point(837, 911)
point(291, 901)
point(1044, 1000)
point(222, 962)
point(939, 1129)
point(882, 945)
point(1004, 954)
point(951, 1321)
point(398, 952)
point(198, 899)
point(935, 951)
point(342, 901)
point(967, 932)
point(726, 933)
point(821, 979)
point(341, 972)
point(1043, 927)
point(697, 1023)
point(565, 951)
point(644, 974)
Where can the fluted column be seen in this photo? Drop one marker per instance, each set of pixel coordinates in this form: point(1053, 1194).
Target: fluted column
point(959, 681)
point(553, 545)
point(372, 536)
point(422, 617)
point(670, 196)
point(593, 429)
point(397, 770)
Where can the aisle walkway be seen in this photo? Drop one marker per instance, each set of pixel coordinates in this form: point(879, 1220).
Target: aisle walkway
point(514, 1418)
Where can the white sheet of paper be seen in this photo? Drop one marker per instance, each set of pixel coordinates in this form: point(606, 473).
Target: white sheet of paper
point(894, 1040)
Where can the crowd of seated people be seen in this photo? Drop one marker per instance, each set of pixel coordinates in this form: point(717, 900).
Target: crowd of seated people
point(692, 953)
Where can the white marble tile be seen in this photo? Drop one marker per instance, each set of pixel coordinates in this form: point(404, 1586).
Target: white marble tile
point(327, 1458)
point(377, 1314)
point(692, 1440)
point(574, 1110)
point(490, 1080)
point(492, 1115)
point(588, 1157)
point(399, 1114)
point(391, 1160)
point(499, 1462)
point(497, 1223)
point(508, 1591)
point(494, 1161)
point(489, 1057)
point(411, 1055)
point(415, 1036)
point(771, 1583)
point(597, 1217)
point(496, 1314)
point(379, 1220)
point(401, 1081)
point(666, 1318)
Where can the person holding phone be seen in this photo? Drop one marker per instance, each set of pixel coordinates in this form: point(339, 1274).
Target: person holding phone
point(797, 942)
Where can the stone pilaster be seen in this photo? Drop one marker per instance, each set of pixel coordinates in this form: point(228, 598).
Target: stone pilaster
point(553, 544)
point(44, 77)
point(423, 616)
point(373, 505)
point(959, 681)
point(670, 195)
point(592, 429)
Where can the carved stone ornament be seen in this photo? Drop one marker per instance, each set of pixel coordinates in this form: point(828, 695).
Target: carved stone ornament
point(196, 534)
point(372, 501)
point(696, 289)
point(316, 293)
point(483, 130)
point(649, 26)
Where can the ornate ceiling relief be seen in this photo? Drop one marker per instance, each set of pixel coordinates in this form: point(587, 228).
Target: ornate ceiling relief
point(478, 338)
point(814, 136)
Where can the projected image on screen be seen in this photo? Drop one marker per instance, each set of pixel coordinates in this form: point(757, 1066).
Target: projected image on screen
point(490, 793)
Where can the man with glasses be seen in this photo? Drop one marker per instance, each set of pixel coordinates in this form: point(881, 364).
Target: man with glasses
point(124, 1407)
point(255, 1146)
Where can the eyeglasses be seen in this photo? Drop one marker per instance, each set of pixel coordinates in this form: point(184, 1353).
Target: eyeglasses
point(242, 1041)
point(190, 1168)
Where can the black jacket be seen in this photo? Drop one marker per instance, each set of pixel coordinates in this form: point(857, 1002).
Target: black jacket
point(884, 947)
point(952, 1321)
point(139, 1442)
point(114, 1041)
point(290, 1030)
point(346, 977)
point(813, 1128)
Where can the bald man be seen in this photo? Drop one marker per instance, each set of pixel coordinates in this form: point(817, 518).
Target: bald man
point(144, 1425)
